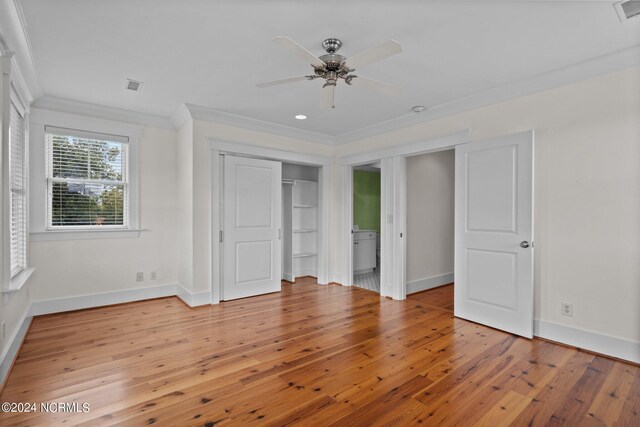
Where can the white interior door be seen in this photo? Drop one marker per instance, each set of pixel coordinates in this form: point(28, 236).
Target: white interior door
point(494, 230)
point(252, 218)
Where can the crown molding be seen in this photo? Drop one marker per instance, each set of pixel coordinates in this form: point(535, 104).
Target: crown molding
point(197, 112)
point(102, 112)
point(616, 61)
point(591, 68)
point(14, 37)
point(10, 67)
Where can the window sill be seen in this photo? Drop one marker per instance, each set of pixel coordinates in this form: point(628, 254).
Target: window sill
point(43, 236)
point(18, 281)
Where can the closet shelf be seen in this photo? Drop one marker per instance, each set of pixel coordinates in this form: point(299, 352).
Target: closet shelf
point(300, 229)
point(304, 254)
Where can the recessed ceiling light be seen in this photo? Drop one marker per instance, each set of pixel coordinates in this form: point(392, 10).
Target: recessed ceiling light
point(301, 116)
point(417, 109)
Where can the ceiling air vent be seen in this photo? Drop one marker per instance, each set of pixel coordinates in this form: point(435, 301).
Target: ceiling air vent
point(627, 9)
point(134, 85)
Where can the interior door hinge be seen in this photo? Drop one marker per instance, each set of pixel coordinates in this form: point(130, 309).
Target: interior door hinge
point(221, 236)
point(279, 234)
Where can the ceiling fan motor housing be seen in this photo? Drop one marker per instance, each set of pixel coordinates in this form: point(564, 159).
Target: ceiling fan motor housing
point(334, 62)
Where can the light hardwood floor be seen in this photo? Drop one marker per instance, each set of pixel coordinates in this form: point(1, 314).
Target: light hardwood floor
point(310, 355)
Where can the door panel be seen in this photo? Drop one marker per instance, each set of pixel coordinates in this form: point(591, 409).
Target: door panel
point(491, 277)
point(253, 261)
point(254, 196)
point(494, 214)
point(491, 180)
point(252, 210)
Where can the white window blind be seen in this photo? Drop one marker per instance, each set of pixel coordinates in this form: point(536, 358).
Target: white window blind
point(17, 186)
point(87, 179)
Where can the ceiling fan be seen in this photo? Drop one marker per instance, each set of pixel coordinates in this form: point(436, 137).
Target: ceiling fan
point(332, 66)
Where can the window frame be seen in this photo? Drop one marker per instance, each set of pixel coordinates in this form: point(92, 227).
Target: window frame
point(53, 130)
point(40, 119)
point(14, 92)
point(16, 102)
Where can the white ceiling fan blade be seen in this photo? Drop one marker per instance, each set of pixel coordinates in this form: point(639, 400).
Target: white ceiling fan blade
point(327, 97)
point(299, 51)
point(375, 85)
point(283, 81)
point(376, 53)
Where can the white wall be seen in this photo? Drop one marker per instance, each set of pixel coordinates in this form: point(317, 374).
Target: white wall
point(430, 216)
point(66, 268)
point(587, 194)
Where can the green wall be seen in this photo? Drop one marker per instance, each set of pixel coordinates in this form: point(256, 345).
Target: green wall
point(366, 200)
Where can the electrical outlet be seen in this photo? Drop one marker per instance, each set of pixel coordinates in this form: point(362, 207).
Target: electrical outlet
point(139, 276)
point(153, 275)
point(567, 309)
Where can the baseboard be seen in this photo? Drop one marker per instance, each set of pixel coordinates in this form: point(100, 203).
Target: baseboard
point(588, 340)
point(193, 299)
point(14, 343)
point(335, 277)
point(288, 277)
point(428, 283)
point(79, 302)
point(309, 272)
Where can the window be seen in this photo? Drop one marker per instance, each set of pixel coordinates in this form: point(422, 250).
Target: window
point(87, 180)
point(17, 187)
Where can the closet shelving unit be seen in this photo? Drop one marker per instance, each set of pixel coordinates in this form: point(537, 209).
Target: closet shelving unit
point(300, 229)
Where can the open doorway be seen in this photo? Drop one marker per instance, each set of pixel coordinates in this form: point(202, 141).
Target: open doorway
point(367, 226)
point(493, 222)
point(300, 202)
point(430, 225)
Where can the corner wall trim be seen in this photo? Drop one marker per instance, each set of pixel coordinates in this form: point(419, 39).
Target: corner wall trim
point(102, 112)
point(335, 278)
point(429, 283)
point(588, 340)
point(79, 302)
point(13, 345)
point(193, 299)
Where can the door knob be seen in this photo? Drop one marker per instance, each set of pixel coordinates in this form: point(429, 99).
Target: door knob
point(524, 244)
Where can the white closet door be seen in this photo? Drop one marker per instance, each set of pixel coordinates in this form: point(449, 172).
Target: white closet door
point(494, 229)
point(252, 221)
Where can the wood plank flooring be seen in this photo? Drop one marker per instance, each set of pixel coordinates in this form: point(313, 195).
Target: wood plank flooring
point(310, 355)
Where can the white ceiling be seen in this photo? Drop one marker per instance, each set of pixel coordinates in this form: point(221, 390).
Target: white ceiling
point(212, 53)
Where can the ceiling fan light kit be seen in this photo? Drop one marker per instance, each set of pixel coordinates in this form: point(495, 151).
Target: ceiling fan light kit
point(333, 67)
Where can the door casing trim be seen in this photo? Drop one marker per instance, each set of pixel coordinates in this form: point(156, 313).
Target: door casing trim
point(393, 188)
point(219, 148)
